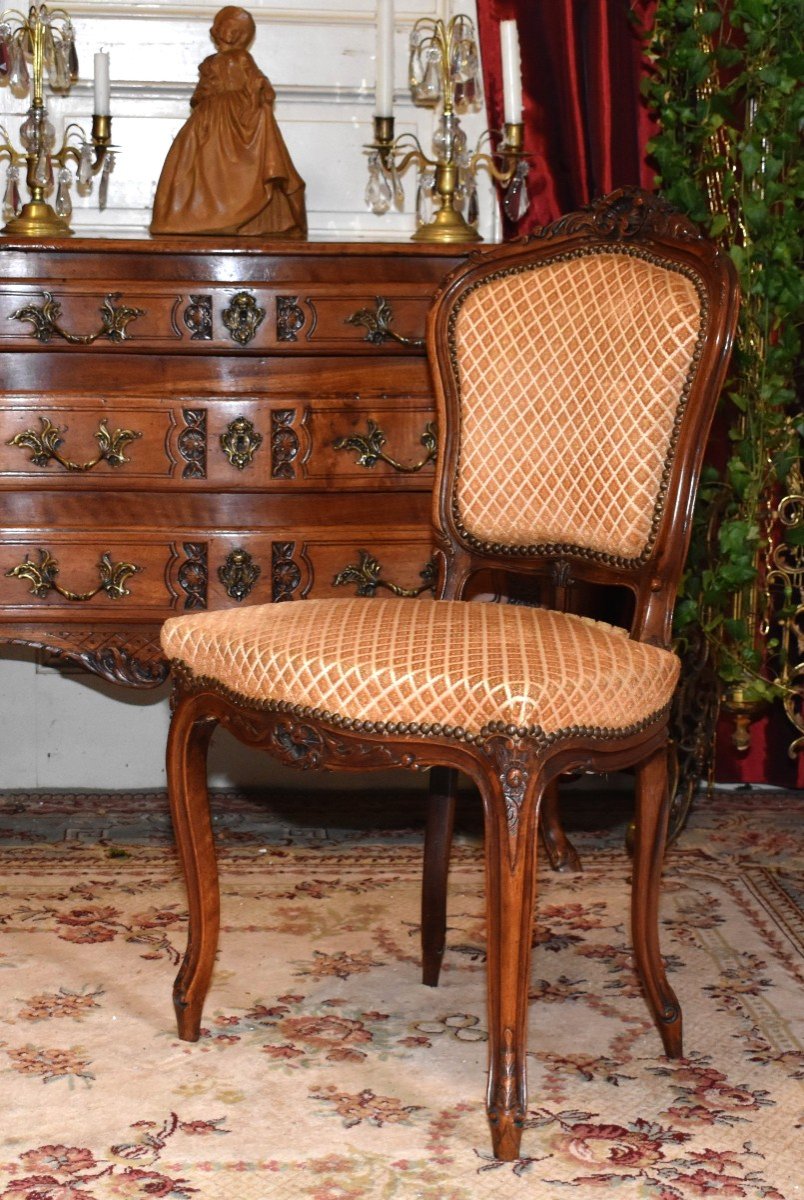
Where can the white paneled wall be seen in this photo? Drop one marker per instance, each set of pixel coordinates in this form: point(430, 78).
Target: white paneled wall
point(71, 731)
point(320, 59)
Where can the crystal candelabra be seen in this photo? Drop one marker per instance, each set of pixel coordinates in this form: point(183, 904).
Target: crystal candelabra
point(444, 69)
point(45, 39)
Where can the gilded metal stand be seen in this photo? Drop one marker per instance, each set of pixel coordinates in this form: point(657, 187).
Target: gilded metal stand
point(48, 35)
point(443, 48)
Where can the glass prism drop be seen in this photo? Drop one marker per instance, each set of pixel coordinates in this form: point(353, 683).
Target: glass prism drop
point(12, 201)
point(64, 204)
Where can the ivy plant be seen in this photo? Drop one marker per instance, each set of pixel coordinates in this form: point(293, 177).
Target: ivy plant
point(725, 87)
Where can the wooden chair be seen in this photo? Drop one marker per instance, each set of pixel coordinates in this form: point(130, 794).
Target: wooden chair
point(576, 374)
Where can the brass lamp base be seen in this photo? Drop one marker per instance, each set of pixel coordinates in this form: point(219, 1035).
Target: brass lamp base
point(37, 219)
point(446, 226)
point(744, 711)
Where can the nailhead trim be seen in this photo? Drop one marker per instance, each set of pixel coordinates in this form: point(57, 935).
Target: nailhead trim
point(186, 681)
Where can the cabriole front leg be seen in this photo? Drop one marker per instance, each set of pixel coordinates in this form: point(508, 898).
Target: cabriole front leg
point(511, 812)
point(650, 836)
point(188, 742)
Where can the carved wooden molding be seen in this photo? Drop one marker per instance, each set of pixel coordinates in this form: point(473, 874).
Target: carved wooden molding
point(290, 318)
point(128, 658)
point(285, 573)
point(197, 318)
point(192, 443)
point(284, 443)
point(193, 575)
point(626, 213)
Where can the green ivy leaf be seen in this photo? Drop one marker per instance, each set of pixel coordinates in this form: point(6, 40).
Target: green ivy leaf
point(751, 160)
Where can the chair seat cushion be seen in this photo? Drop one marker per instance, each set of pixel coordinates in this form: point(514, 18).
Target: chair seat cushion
point(463, 666)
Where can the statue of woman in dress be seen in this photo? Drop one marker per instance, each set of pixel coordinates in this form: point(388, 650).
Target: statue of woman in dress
point(228, 170)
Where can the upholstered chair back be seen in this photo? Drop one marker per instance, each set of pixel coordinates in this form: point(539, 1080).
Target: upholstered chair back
point(567, 370)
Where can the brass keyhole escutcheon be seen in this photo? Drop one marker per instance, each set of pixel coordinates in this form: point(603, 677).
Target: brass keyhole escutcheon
point(240, 441)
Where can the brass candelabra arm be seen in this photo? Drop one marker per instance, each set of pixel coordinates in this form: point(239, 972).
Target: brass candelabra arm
point(88, 154)
point(387, 147)
point(509, 151)
point(7, 151)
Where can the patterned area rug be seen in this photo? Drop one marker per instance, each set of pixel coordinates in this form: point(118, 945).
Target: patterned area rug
point(326, 1071)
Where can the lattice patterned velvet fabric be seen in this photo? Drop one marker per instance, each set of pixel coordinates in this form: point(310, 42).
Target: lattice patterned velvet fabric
point(578, 366)
point(430, 662)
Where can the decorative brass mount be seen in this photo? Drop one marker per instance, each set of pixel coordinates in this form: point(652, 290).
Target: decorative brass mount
point(45, 320)
point(239, 574)
point(243, 318)
point(42, 578)
point(369, 447)
point(366, 574)
point(240, 441)
point(378, 325)
point(45, 446)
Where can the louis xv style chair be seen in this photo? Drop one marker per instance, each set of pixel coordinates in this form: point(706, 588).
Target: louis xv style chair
point(576, 374)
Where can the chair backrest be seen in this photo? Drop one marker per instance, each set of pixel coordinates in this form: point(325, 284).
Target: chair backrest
point(576, 375)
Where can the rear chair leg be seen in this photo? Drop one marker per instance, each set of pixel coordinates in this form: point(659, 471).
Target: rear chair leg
point(559, 849)
point(437, 845)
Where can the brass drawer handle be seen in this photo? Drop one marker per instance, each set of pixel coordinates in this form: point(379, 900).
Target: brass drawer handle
point(366, 574)
point(42, 578)
point(45, 445)
point(45, 320)
point(378, 325)
point(369, 447)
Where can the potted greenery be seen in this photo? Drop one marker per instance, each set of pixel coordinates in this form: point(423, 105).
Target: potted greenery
point(725, 89)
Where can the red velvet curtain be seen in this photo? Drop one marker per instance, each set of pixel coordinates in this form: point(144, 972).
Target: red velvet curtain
point(586, 124)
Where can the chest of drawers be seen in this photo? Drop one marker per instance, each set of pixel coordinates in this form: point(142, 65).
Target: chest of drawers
point(187, 424)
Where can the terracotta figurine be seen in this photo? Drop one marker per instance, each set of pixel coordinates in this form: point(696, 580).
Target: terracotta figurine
point(228, 170)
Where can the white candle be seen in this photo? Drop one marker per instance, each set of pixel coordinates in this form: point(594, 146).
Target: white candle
point(102, 89)
point(384, 93)
point(512, 73)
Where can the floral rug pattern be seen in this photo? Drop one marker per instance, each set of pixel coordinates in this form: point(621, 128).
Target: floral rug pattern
point(326, 1071)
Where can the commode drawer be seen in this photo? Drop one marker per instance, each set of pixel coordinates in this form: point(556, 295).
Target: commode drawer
point(253, 442)
point(293, 318)
point(118, 577)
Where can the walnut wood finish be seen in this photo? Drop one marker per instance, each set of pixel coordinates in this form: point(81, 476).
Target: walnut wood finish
point(514, 770)
point(129, 366)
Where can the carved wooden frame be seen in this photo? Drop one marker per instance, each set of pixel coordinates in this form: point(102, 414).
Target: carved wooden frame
point(514, 769)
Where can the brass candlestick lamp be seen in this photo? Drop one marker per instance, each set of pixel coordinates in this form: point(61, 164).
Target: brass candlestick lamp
point(45, 39)
point(444, 68)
